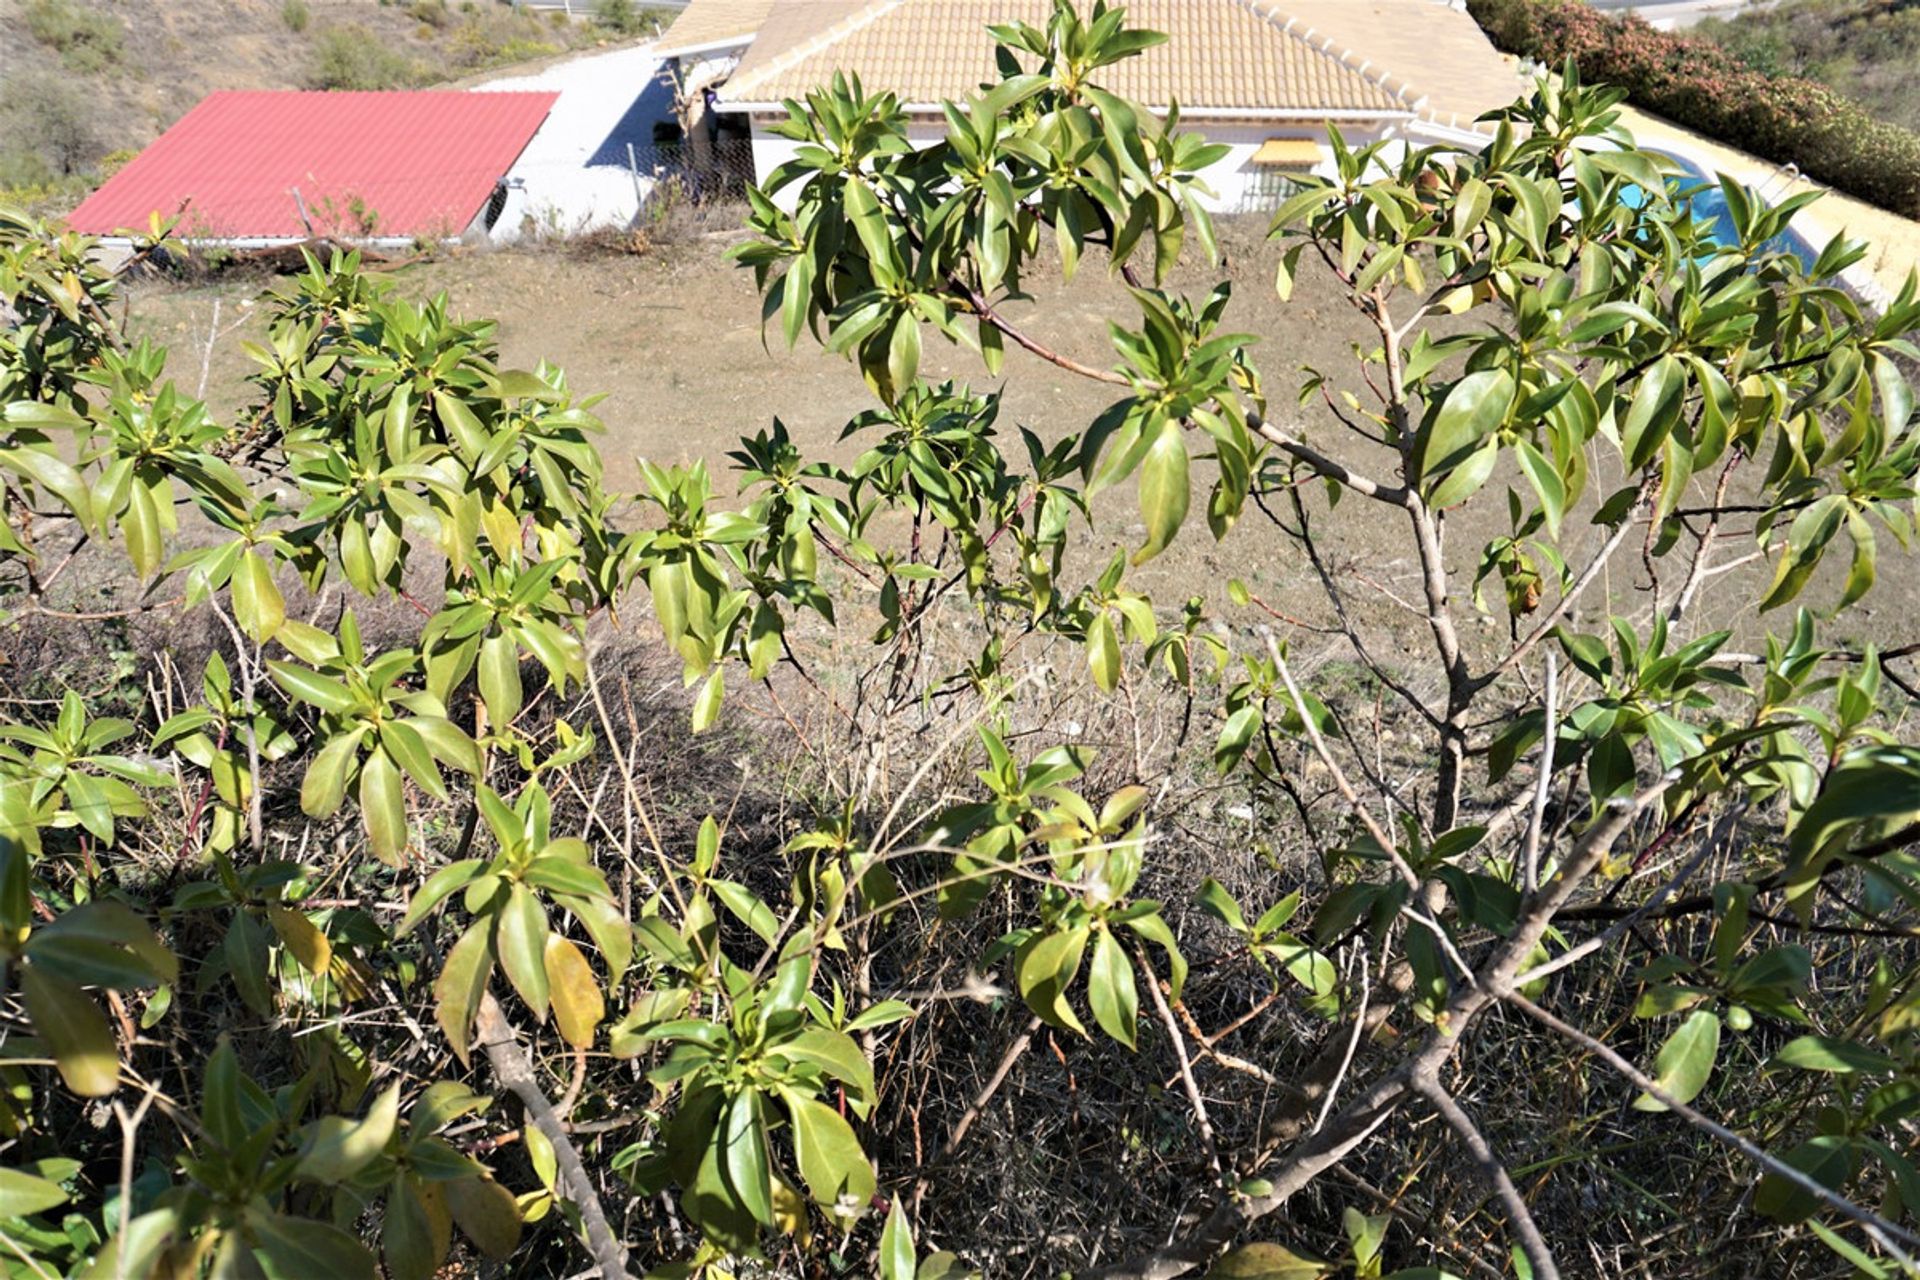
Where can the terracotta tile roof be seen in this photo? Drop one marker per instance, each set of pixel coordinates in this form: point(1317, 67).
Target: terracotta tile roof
point(705, 24)
point(1222, 55)
point(1406, 58)
point(247, 162)
point(1432, 50)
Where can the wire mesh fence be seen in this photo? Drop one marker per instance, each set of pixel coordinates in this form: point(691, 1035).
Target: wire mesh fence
point(702, 170)
point(1259, 190)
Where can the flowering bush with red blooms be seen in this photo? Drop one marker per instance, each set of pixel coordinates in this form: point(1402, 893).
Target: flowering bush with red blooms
point(1703, 86)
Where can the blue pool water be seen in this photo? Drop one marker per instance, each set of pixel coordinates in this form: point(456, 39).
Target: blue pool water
point(1710, 206)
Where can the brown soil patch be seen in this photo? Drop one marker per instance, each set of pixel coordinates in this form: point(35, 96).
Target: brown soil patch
point(674, 340)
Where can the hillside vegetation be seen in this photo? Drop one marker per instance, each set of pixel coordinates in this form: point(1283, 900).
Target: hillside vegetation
point(1867, 49)
point(85, 83)
point(424, 856)
point(1696, 83)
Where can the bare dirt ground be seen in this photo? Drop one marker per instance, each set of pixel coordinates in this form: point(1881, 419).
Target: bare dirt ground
point(673, 338)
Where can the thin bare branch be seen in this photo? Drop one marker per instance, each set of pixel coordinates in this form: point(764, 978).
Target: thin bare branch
point(1519, 1216)
point(514, 1069)
point(1883, 1233)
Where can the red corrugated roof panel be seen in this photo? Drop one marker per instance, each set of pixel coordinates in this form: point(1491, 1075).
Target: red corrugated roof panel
point(416, 163)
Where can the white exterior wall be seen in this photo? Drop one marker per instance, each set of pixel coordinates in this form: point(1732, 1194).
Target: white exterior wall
point(1231, 179)
point(1234, 176)
point(573, 175)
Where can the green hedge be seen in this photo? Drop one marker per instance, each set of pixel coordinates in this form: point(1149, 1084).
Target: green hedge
point(1702, 86)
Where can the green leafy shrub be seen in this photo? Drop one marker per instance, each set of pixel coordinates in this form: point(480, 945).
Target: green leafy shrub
point(1866, 49)
point(623, 17)
point(482, 43)
point(351, 57)
point(87, 39)
point(395, 793)
point(295, 14)
point(1701, 85)
point(430, 13)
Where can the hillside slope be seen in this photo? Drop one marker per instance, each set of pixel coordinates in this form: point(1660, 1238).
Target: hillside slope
point(1866, 49)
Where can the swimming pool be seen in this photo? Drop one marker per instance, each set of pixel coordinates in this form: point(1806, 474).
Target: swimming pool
point(1709, 205)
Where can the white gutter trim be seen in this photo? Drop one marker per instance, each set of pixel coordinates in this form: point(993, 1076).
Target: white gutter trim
point(1449, 133)
point(1291, 113)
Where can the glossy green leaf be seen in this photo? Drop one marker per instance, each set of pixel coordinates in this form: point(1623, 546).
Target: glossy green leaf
point(311, 687)
point(521, 940)
point(462, 982)
point(897, 1255)
point(1654, 411)
point(1111, 991)
point(336, 1148)
point(1473, 410)
point(383, 807)
point(1685, 1061)
point(1837, 1057)
point(744, 1141)
point(1826, 1158)
point(1164, 489)
point(292, 1248)
point(829, 1155)
point(499, 671)
point(23, 1193)
point(258, 606)
point(325, 785)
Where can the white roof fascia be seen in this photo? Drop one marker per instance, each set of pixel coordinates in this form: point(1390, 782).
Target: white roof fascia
point(709, 46)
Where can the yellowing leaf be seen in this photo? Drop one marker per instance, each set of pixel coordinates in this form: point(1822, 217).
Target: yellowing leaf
point(1268, 1262)
point(75, 1030)
point(299, 936)
point(578, 1006)
point(790, 1213)
point(416, 1231)
point(706, 707)
point(486, 1213)
point(1103, 652)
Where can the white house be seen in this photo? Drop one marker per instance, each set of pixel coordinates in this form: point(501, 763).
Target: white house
point(1266, 77)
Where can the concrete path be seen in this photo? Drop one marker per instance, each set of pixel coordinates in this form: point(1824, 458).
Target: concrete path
point(1669, 15)
point(574, 175)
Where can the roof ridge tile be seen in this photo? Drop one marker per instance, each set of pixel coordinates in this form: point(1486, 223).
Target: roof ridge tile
point(1269, 11)
point(823, 39)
